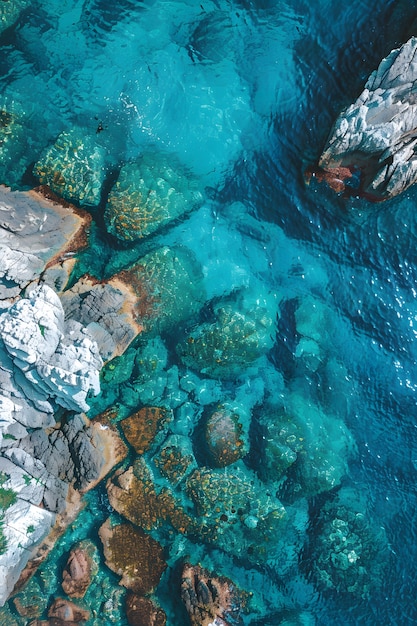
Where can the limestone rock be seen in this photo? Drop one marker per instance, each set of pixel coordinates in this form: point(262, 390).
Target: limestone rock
point(148, 195)
point(107, 310)
point(73, 167)
point(34, 231)
point(60, 359)
point(132, 554)
point(22, 526)
point(211, 599)
point(376, 135)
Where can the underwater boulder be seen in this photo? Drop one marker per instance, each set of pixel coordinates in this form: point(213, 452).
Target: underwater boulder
point(242, 331)
point(73, 167)
point(81, 566)
point(211, 599)
point(64, 611)
point(142, 611)
point(167, 286)
point(13, 137)
point(149, 194)
point(226, 434)
point(374, 138)
point(304, 445)
point(175, 459)
point(349, 552)
point(133, 555)
point(141, 428)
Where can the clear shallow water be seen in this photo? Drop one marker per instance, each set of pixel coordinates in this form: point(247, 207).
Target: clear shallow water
point(244, 93)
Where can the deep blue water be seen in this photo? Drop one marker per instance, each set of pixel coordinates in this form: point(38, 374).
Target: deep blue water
point(245, 93)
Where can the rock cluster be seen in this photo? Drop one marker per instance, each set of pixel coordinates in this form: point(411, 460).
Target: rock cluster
point(376, 135)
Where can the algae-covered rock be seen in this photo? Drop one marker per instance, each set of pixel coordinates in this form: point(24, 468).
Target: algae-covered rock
point(81, 566)
point(242, 331)
point(167, 285)
point(132, 554)
point(211, 599)
point(142, 611)
point(73, 167)
point(141, 427)
point(175, 459)
point(305, 444)
point(149, 194)
point(134, 494)
point(349, 551)
point(226, 434)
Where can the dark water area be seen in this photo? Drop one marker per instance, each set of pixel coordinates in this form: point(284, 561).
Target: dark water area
point(244, 93)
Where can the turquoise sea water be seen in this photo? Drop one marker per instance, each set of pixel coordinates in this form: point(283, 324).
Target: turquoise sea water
point(244, 94)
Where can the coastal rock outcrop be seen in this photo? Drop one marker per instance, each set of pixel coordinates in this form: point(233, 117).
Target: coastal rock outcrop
point(375, 139)
point(36, 231)
point(49, 369)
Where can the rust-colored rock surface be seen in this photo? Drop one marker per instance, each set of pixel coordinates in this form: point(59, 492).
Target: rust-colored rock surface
point(132, 554)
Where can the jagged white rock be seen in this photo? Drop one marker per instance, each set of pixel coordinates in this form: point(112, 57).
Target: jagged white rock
point(377, 134)
point(59, 358)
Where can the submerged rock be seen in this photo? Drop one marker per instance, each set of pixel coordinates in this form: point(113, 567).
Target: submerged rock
point(73, 167)
point(226, 434)
point(166, 286)
point(210, 599)
point(242, 332)
point(141, 428)
point(307, 446)
point(349, 552)
point(376, 135)
point(81, 566)
point(133, 555)
point(66, 611)
point(142, 611)
point(10, 12)
point(148, 195)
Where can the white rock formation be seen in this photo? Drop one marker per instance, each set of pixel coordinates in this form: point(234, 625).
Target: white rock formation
point(377, 134)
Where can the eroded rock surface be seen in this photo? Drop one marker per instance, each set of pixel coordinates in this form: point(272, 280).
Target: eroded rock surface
point(209, 599)
point(376, 135)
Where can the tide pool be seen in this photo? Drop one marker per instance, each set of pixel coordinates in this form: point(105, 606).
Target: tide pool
point(287, 309)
